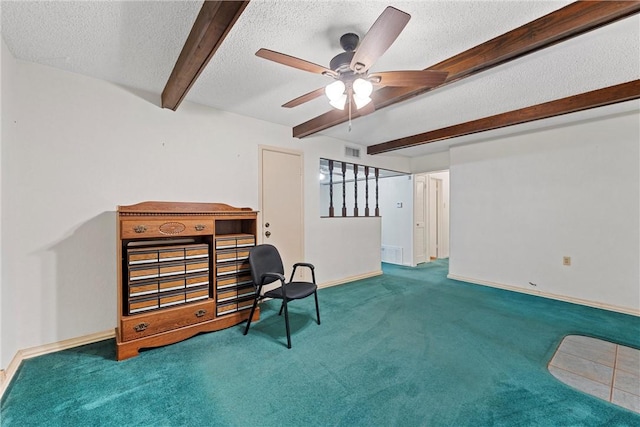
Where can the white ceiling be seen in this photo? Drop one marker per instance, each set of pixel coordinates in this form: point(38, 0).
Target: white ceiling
point(136, 44)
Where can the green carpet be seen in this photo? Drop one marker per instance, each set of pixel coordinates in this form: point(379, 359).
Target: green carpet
point(407, 348)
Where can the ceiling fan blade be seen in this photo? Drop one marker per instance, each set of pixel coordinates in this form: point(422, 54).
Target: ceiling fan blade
point(380, 36)
point(294, 62)
point(304, 98)
point(411, 78)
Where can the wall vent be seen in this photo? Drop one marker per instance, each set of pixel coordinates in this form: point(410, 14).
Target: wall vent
point(391, 254)
point(352, 152)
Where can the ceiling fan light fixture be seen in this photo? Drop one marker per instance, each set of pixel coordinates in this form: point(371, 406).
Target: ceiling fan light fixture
point(335, 90)
point(339, 103)
point(362, 88)
point(361, 101)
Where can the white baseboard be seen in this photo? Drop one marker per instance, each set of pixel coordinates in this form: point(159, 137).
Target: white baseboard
point(7, 375)
point(350, 279)
point(549, 295)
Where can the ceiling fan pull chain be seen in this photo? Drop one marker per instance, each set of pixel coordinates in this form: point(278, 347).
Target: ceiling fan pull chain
point(349, 101)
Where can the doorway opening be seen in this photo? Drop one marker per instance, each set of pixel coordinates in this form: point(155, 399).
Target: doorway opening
point(431, 216)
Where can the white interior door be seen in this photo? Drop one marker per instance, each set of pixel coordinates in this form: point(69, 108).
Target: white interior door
point(419, 219)
point(281, 204)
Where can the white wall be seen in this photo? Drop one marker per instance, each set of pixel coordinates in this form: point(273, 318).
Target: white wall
point(81, 146)
point(519, 204)
point(397, 222)
point(5, 85)
point(430, 163)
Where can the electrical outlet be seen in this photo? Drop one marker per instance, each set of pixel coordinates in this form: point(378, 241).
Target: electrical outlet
point(566, 260)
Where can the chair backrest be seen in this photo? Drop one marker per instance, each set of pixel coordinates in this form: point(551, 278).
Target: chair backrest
point(264, 259)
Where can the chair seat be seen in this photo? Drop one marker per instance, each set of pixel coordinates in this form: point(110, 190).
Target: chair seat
point(295, 290)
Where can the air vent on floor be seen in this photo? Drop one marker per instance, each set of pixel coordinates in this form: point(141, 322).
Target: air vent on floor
point(352, 152)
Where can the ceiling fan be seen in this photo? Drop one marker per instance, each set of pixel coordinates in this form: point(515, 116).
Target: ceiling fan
point(353, 83)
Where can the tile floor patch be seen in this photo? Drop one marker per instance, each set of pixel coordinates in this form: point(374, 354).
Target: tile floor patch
point(600, 368)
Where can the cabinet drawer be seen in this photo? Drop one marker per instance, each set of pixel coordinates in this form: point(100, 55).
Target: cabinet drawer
point(143, 325)
point(235, 280)
point(140, 229)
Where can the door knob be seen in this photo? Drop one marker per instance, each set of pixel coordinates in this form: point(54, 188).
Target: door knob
point(268, 233)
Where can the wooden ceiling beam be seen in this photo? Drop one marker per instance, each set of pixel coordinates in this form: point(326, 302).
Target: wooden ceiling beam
point(584, 101)
point(570, 21)
point(214, 21)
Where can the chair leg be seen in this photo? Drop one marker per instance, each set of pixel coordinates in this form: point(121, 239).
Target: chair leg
point(281, 307)
point(286, 321)
point(315, 294)
point(253, 309)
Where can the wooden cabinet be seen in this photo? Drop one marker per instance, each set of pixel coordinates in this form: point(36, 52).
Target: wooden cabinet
point(182, 269)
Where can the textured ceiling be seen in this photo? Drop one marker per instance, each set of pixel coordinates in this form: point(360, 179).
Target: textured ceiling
point(136, 44)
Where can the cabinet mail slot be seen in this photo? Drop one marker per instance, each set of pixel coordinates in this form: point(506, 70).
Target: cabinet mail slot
point(246, 292)
point(243, 305)
point(142, 229)
point(227, 308)
point(197, 294)
point(232, 254)
point(247, 240)
point(143, 304)
point(242, 253)
point(197, 280)
point(142, 257)
point(235, 240)
point(199, 251)
point(235, 293)
point(143, 288)
point(171, 254)
point(225, 242)
point(227, 295)
point(170, 299)
point(226, 268)
point(143, 272)
point(243, 266)
point(226, 255)
point(172, 269)
point(171, 284)
point(197, 266)
point(235, 280)
point(232, 267)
